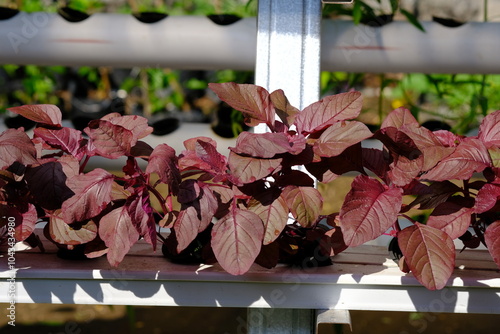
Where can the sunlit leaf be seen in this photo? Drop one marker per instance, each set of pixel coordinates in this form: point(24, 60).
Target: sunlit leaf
point(253, 101)
point(369, 209)
point(305, 204)
point(237, 240)
point(329, 110)
point(92, 195)
point(68, 235)
point(118, 233)
point(338, 137)
point(452, 218)
point(16, 146)
point(41, 113)
point(163, 161)
point(492, 239)
point(430, 254)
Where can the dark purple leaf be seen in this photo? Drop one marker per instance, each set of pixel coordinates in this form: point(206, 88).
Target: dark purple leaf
point(254, 101)
point(492, 239)
point(237, 240)
point(305, 204)
point(189, 191)
point(141, 150)
point(338, 137)
point(164, 162)
point(41, 113)
point(437, 193)
point(118, 232)
point(430, 254)
point(369, 210)
point(16, 146)
point(329, 110)
point(92, 195)
point(375, 161)
point(47, 184)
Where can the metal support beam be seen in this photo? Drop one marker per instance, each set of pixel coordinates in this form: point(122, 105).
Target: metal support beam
point(280, 321)
point(288, 48)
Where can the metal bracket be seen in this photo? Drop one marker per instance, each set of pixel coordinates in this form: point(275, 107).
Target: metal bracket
point(333, 317)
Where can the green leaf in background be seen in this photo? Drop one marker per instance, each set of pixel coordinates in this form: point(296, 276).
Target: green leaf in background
point(357, 13)
point(412, 19)
point(394, 5)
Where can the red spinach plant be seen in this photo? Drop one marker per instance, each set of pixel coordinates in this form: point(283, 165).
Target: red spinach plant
point(235, 210)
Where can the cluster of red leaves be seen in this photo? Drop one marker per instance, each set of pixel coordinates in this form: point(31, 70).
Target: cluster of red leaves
point(237, 208)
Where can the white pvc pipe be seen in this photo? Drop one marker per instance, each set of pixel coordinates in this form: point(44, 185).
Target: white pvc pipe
point(188, 42)
point(195, 42)
point(400, 47)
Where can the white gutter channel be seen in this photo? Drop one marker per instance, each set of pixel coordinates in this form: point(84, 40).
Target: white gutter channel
point(195, 42)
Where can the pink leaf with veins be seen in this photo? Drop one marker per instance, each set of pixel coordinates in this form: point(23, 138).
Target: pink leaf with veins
point(41, 113)
point(253, 101)
point(369, 209)
point(329, 110)
point(16, 146)
point(430, 254)
point(92, 194)
point(118, 232)
point(237, 240)
point(492, 239)
point(470, 156)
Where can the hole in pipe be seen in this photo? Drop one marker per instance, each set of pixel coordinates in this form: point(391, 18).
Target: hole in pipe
point(7, 13)
point(224, 19)
point(72, 15)
point(450, 23)
point(150, 17)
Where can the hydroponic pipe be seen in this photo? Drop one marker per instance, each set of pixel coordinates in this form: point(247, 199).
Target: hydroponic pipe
point(195, 42)
point(187, 42)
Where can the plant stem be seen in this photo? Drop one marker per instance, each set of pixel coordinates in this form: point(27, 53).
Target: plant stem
point(159, 197)
point(84, 164)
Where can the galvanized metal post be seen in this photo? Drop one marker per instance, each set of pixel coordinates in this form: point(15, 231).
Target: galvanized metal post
point(288, 48)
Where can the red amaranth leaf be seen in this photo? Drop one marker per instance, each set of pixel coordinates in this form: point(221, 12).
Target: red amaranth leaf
point(329, 110)
point(207, 152)
point(403, 170)
point(237, 240)
point(109, 140)
point(452, 218)
point(186, 227)
point(140, 211)
point(164, 162)
point(92, 195)
point(431, 147)
point(305, 204)
point(262, 145)
point(253, 101)
point(492, 239)
point(118, 233)
point(369, 209)
point(338, 137)
point(16, 146)
point(68, 140)
point(274, 215)
point(65, 234)
point(47, 184)
point(247, 169)
point(430, 254)
point(285, 111)
point(489, 130)
point(138, 125)
point(41, 113)
point(469, 156)
point(25, 220)
point(487, 197)
point(398, 118)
